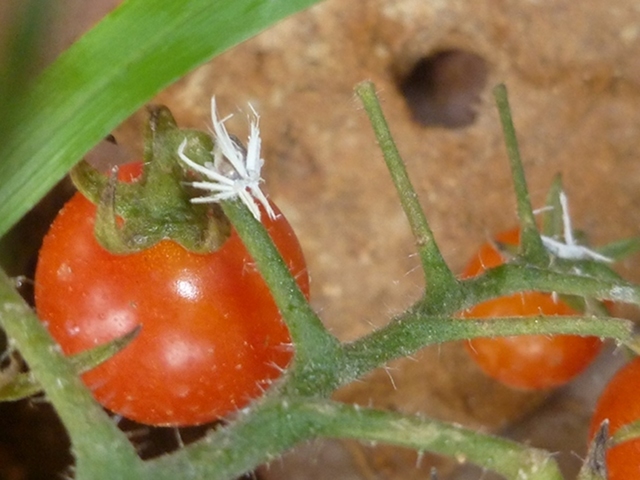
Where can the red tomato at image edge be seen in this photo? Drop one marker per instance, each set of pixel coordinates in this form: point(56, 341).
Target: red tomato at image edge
point(212, 337)
point(527, 362)
point(620, 404)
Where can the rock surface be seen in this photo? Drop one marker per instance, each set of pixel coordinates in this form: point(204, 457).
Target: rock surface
point(573, 72)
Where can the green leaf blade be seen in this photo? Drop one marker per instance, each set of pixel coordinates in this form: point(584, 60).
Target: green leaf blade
point(107, 75)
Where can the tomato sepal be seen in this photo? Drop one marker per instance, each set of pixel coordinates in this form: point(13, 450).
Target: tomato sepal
point(137, 212)
point(25, 385)
point(594, 466)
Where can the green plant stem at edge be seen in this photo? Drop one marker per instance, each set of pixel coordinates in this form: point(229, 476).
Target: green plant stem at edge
point(101, 450)
point(532, 248)
point(261, 436)
point(317, 351)
point(438, 275)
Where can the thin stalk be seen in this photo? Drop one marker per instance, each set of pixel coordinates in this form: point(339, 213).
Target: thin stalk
point(438, 275)
point(413, 330)
point(508, 458)
point(259, 436)
point(620, 249)
point(317, 351)
point(100, 449)
point(511, 278)
point(627, 433)
point(531, 244)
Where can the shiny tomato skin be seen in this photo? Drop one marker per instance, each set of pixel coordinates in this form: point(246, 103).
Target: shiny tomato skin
point(527, 362)
point(212, 338)
point(620, 404)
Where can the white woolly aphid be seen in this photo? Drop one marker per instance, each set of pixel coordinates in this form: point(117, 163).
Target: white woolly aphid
point(235, 172)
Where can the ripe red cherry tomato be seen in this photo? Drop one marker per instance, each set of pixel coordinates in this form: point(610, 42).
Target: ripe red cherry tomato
point(528, 362)
point(620, 403)
point(212, 338)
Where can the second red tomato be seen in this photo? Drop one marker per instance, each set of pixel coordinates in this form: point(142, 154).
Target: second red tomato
point(528, 362)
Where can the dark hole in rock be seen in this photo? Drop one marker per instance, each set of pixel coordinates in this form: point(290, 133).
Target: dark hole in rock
point(443, 89)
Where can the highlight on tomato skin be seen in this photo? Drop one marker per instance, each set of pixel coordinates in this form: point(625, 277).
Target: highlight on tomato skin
point(212, 338)
point(527, 362)
point(620, 404)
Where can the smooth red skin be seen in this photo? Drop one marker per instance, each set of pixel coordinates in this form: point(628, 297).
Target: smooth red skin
point(528, 362)
point(620, 404)
point(212, 337)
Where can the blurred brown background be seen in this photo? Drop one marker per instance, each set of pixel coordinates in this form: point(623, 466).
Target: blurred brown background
point(573, 72)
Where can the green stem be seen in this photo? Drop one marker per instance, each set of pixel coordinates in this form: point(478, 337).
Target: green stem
point(437, 273)
point(418, 327)
point(505, 457)
point(532, 248)
point(414, 330)
point(511, 278)
point(100, 449)
point(317, 351)
point(260, 437)
point(25, 384)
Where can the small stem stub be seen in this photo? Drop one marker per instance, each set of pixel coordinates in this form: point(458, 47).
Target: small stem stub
point(595, 465)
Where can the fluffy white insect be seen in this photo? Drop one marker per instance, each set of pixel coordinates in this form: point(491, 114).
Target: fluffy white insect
point(235, 172)
point(570, 249)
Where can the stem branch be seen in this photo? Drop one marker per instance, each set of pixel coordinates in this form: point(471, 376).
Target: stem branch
point(100, 448)
point(262, 437)
point(413, 331)
point(317, 351)
point(437, 272)
point(503, 456)
point(532, 247)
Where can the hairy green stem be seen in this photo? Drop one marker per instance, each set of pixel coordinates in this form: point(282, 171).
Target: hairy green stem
point(627, 433)
point(420, 326)
point(262, 436)
point(512, 278)
point(413, 331)
point(438, 275)
point(317, 351)
point(256, 436)
point(100, 449)
point(505, 457)
point(532, 247)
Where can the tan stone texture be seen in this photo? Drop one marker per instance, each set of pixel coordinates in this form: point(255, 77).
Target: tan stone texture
point(573, 73)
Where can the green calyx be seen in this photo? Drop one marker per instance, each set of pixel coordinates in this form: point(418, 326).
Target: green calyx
point(135, 216)
point(24, 384)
